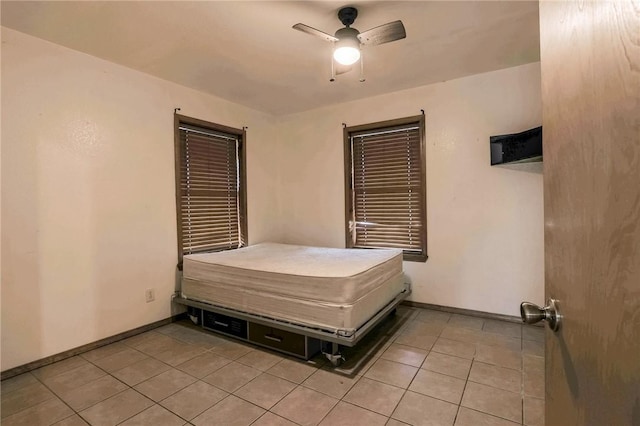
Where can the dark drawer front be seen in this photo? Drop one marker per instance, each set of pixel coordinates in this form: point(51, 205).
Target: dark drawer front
point(277, 339)
point(233, 326)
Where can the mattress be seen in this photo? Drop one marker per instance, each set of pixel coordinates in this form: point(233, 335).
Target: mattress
point(333, 289)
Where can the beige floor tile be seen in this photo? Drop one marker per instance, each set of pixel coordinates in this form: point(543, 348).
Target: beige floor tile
point(229, 349)
point(375, 396)
point(438, 386)
point(161, 386)
point(232, 376)
point(533, 348)
point(428, 315)
point(504, 365)
point(534, 384)
point(59, 367)
point(120, 360)
point(138, 339)
point(455, 348)
point(420, 410)
point(405, 355)
point(104, 351)
point(260, 360)
point(447, 364)
point(23, 398)
point(530, 332)
point(17, 382)
point(304, 406)
point(231, 411)
point(499, 356)
point(533, 411)
point(157, 343)
point(358, 359)
point(74, 420)
point(502, 327)
point(116, 409)
point(270, 419)
point(294, 371)
point(203, 364)
point(416, 340)
point(501, 341)
point(330, 383)
point(193, 400)
point(265, 390)
point(178, 354)
point(44, 413)
point(155, 415)
point(73, 379)
point(424, 328)
point(461, 334)
point(465, 321)
point(392, 373)
point(176, 327)
point(497, 377)
point(180, 330)
point(394, 422)
point(93, 392)
point(345, 414)
point(200, 337)
point(468, 417)
point(141, 371)
point(497, 402)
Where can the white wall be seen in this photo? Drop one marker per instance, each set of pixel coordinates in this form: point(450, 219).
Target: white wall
point(88, 204)
point(88, 220)
point(485, 224)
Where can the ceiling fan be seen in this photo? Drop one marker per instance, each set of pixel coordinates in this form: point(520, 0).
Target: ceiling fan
point(348, 40)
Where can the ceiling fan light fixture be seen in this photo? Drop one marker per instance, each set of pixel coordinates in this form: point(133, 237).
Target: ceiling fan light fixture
point(346, 55)
point(347, 51)
point(348, 40)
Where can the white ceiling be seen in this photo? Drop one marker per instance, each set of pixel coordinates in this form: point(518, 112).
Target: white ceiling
point(246, 51)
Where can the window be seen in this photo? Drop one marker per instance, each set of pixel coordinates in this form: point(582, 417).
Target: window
point(210, 186)
point(385, 186)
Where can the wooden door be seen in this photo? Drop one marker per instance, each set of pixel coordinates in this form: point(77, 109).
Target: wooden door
point(590, 56)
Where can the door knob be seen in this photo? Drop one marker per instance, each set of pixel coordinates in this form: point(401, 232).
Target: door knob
point(532, 313)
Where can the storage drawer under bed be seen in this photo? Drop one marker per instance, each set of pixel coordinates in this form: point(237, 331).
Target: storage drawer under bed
point(284, 341)
point(271, 337)
point(229, 325)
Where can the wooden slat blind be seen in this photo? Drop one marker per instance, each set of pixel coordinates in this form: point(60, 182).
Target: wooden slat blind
point(210, 210)
point(387, 189)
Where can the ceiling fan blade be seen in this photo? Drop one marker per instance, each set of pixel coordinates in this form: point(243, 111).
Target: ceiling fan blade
point(309, 30)
point(386, 33)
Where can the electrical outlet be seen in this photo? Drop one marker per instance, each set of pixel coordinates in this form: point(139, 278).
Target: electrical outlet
point(150, 295)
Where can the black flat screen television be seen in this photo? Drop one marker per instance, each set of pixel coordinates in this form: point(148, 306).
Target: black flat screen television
point(524, 147)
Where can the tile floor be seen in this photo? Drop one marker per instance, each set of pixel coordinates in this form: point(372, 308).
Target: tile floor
point(429, 368)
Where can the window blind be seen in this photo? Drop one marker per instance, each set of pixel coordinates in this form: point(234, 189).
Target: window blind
point(210, 210)
point(387, 201)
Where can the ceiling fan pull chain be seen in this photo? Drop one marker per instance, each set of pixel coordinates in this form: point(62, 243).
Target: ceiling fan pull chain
point(333, 71)
point(361, 67)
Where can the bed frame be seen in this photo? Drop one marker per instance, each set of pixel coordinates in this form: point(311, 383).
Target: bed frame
point(313, 338)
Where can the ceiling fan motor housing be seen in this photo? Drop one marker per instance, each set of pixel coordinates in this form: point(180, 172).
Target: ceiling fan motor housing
point(347, 33)
point(347, 15)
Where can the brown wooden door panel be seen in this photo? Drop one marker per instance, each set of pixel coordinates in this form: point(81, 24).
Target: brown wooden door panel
point(590, 58)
